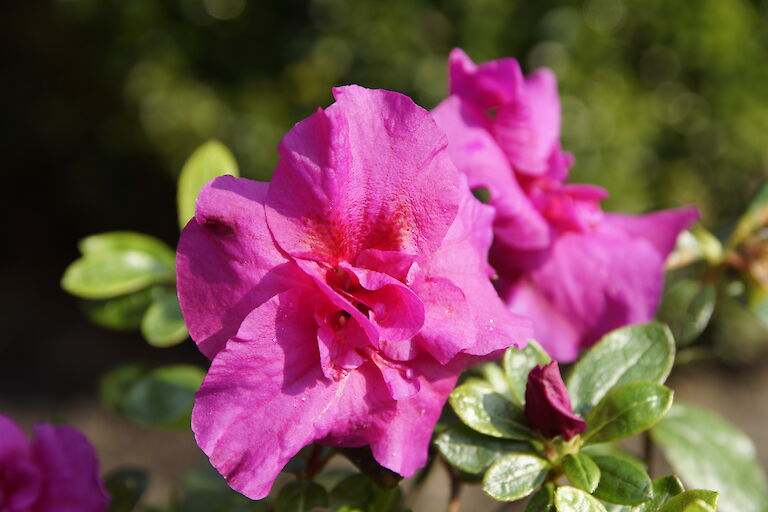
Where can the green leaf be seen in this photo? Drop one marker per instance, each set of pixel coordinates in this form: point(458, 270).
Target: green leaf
point(518, 364)
point(614, 449)
point(755, 217)
point(473, 452)
point(301, 497)
point(543, 500)
point(710, 453)
point(699, 506)
point(681, 502)
point(210, 160)
point(663, 489)
point(642, 352)
point(582, 471)
point(118, 263)
point(163, 325)
point(125, 486)
point(163, 397)
point(496, 377)
point(204, 490)
point(116, 384)
point(694, 245)
point(123, 312)
point(622, 482)
point(488, 412)
point(515, 476)
point(358, 493)
point(627, 410)
point(570, 499)
point(687, 307)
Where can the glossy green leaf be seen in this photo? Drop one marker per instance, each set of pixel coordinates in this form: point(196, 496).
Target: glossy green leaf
point(543, 500)
point(488, 411)
point(118, 263)
point(687, 307)
point(163, 397)
point(473, 452)
point(663, 489)
point(643, 352)
point(708, 452)
point(301, 497)
point(515, 476)
point(210, 160)
point(570, 499)
point(125, 486)
point(627, 410)
point(582, 471)
point(622, 482)
point(518, 364)
point(123, 312)
point(682, 501)
point(495, 376)
point(163, 325)
point(614, 449)
point(699, 506)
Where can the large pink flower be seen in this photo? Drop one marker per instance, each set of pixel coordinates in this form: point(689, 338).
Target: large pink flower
point(575, 270)
point(57, 472)
point(340, 301)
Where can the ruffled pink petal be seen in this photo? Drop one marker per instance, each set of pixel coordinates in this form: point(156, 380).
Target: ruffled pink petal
point(486, 86)
point(368, 172)
point(395, 264)
point(264, 397)
point(660, 228)
point(223, 253)
point(70, 469)
point(477, 155)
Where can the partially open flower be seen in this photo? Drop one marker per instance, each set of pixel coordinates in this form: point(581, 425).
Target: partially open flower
point(547, 405)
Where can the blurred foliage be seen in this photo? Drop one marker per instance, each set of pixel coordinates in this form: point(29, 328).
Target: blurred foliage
point(664, 102)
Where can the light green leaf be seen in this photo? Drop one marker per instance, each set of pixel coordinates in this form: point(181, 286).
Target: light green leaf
point(210, 160)
point(121, 241)
point(682, 501)
point(488, 412)
point(710, 453)
point(163, 325)
point(515, 476)
point(694, 245)
point(301, 497)
point(687, 306)
point(123, 312)
point(543, 500)
point(163, 397)
point(570, 499)
point(125, 486)
point(622, 482)
point(496, 377)
point(582, 471)
point(633, 353)
point(698, 506)
point(518, 364)
point(473, 452)
point(663, 489)
point(627, 410)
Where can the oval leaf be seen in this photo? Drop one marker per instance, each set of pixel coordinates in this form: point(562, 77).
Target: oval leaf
point(710, 453)
point(570, 499)
point(120, 241)
point(301, 497)
point(682, 501)
point(622, 482)
point(582, 471)
point(210, 160)
point(543, 500)
point(124, 312)
point(627, 410)
point(488, 412)
point(164, 397)
point(518, 363)
point(515, 476)
point(663, 489)
point(163, 325)
point(473, 452)
point(643, 352)
point(687, 307)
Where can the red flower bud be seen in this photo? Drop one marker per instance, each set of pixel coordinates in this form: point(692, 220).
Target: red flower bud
point(547, 405)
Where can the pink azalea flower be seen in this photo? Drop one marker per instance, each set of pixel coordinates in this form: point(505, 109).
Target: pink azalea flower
point(548, 406)
point(576, 271)
point(57, 472)
point(339, 302)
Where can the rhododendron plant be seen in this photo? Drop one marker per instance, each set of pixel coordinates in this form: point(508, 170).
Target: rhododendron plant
point(577, 271)
point(56, 472)
point(340, 301)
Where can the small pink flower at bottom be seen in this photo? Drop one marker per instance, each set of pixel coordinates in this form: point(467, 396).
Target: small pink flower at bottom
point(339, 302)
point(57, 472)
point(548, 406)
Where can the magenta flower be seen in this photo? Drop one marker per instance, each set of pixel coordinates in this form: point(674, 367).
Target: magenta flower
point(576, 271)
point(548, 406)
point(57, 472)
point(339, 302)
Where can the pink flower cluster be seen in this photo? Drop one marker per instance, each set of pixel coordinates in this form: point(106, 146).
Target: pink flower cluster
point(339, 302)
point(57, 472)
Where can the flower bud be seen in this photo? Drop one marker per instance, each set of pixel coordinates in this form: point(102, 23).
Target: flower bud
point(547, 405)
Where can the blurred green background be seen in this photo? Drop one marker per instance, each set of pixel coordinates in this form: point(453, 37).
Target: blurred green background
point(664, 103)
